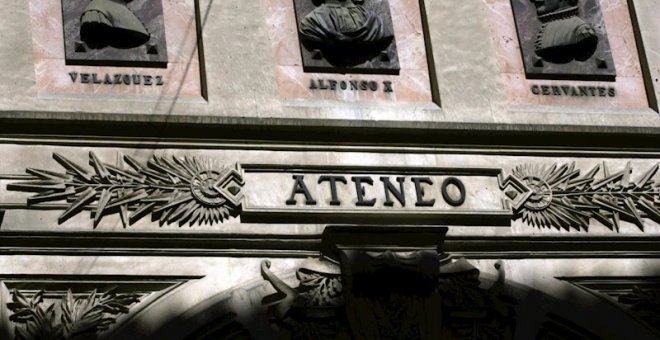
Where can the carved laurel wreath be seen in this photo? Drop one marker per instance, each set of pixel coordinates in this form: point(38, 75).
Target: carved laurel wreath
point(560, 197)
point(173, 190)
point(82, 317)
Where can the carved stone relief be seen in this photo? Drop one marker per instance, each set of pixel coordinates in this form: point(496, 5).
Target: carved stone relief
point(76, 316)
point(195, 191)
point(114, 33)
point(346, 36)
point(389, 295)
point(173, 190)
point(562, 197)
point(563, 39)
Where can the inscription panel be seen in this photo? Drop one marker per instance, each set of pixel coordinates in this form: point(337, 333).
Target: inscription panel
point(386, 196)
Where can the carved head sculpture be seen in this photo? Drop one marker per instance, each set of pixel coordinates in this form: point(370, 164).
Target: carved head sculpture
point(344, 32)
point(551, 6)
point(106, 23)
point(563, 35)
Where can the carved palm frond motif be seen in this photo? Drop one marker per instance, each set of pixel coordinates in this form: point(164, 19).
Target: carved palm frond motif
point(562, 197)
point(72, 318)
point(184, 190)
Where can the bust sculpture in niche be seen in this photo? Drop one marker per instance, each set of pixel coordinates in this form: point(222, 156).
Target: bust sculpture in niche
point(563, 36)
point(106, 23)
point(345, 33)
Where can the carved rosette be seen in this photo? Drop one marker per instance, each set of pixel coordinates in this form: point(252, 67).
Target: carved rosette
point(184, 190)
point(72, 317)
point(561, 197)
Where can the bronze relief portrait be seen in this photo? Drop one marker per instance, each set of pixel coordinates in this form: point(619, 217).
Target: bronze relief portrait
point(563, 39)
point(346, 36)
point(114, 33)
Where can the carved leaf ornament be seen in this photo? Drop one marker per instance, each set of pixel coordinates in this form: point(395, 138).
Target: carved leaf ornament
point(79, 318)
point(562, 197)
point(173, 190)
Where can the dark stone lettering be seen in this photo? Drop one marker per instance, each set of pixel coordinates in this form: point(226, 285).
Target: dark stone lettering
point(137, 79)
point(333, 187)
point(117, 78)
point(574, 92)
point(602, 91)
point(84, 78)
point(299, 187)
point(456, 202)
point(364, 85)
point(333, 85)
point(312, 85)
point(388, 86)
point(127, 79)
point(536, 90)
point(360, 191)
point(160, 81)
point(373, 86)
point(583, 91)
point(354, 85)
point(545, 90)
point(74, 76)
point(419, 191)
point(108, 80)
point(611, 92)
point(343, 85)
point(322, 85)
point(390, 188)
point(592, 90)
point(556, 91)
point(566, 89)
point(148, 80)
point(95, 79)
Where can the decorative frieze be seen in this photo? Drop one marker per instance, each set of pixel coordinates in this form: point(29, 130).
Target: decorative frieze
point(184, 190)
point(195, 191)
point(563, 197)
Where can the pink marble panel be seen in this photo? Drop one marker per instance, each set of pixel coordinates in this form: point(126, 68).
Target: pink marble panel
point(413, 84)
point(629, 84)
point(181, 77)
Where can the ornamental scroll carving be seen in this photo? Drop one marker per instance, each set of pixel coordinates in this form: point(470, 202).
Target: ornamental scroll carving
point(390, 295)
point(185, 190)
point(79, 317)
point(563, 197)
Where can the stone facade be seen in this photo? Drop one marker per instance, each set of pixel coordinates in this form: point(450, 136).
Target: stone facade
point(231, 194)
